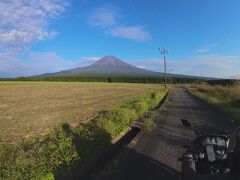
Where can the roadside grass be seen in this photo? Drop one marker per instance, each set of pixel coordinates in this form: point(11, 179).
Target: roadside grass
point(68, 151)
point(30, 109)
point(225, 98)
point(148, 124)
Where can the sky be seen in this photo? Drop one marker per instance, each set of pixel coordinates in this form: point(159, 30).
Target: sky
point(42, 36)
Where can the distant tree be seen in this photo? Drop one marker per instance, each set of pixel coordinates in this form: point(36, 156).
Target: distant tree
point(109, 79)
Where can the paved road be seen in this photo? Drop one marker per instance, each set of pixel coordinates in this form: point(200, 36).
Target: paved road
point(155, 155)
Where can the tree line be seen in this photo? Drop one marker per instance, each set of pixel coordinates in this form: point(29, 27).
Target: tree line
point(147, 80)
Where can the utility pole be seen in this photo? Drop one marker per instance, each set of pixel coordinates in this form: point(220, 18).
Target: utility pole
point(171, 76)
point(164, 52)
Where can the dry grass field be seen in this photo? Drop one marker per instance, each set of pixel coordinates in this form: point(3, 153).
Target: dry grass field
point(225, 98)
point(28, 109)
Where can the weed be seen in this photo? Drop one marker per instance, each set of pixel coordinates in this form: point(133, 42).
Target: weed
point(226, 99)
point(148, 124)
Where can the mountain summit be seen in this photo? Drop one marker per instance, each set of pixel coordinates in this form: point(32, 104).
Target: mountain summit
point(107, 66)
point(110, 62)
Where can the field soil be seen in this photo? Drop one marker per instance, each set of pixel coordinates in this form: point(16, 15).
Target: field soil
point(28, 109)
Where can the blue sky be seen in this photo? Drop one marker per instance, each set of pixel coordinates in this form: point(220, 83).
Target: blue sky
point(50, 35)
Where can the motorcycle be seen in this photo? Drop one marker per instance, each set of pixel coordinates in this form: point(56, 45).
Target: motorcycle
point(207, 156)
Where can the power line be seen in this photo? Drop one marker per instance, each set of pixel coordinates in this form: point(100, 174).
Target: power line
point(151, 19)
point(143, 16)
point(159, 21)
point(148, 10)
point(147, 17)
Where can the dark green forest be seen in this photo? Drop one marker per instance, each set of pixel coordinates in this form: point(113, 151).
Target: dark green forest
point(114, 79)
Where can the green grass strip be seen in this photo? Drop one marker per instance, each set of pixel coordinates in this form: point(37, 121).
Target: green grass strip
point(59, 152)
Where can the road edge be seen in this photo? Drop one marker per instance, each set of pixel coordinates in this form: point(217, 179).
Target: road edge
point(136, 139)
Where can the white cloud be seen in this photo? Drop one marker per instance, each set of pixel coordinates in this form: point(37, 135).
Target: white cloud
point(153, 64)
point(103, 17)
point(24, 22)
point(207, 48)
point(35, 63)
point(142, 67)
point(39, 63)
point(106, 18)
point(134, 33)
point(211, 66)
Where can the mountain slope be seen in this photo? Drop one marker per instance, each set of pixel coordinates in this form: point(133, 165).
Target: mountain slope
point(112, 66)
point(107, 66)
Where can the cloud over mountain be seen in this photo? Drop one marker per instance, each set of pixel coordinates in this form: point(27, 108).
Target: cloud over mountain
point(210, 66)
point(107, 18)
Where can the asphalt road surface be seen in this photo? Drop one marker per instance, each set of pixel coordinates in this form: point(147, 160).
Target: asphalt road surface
point(155, 155)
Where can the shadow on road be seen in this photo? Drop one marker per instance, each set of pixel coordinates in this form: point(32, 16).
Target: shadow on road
point(95, 156)
point(133, 165)
point(155, 156)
